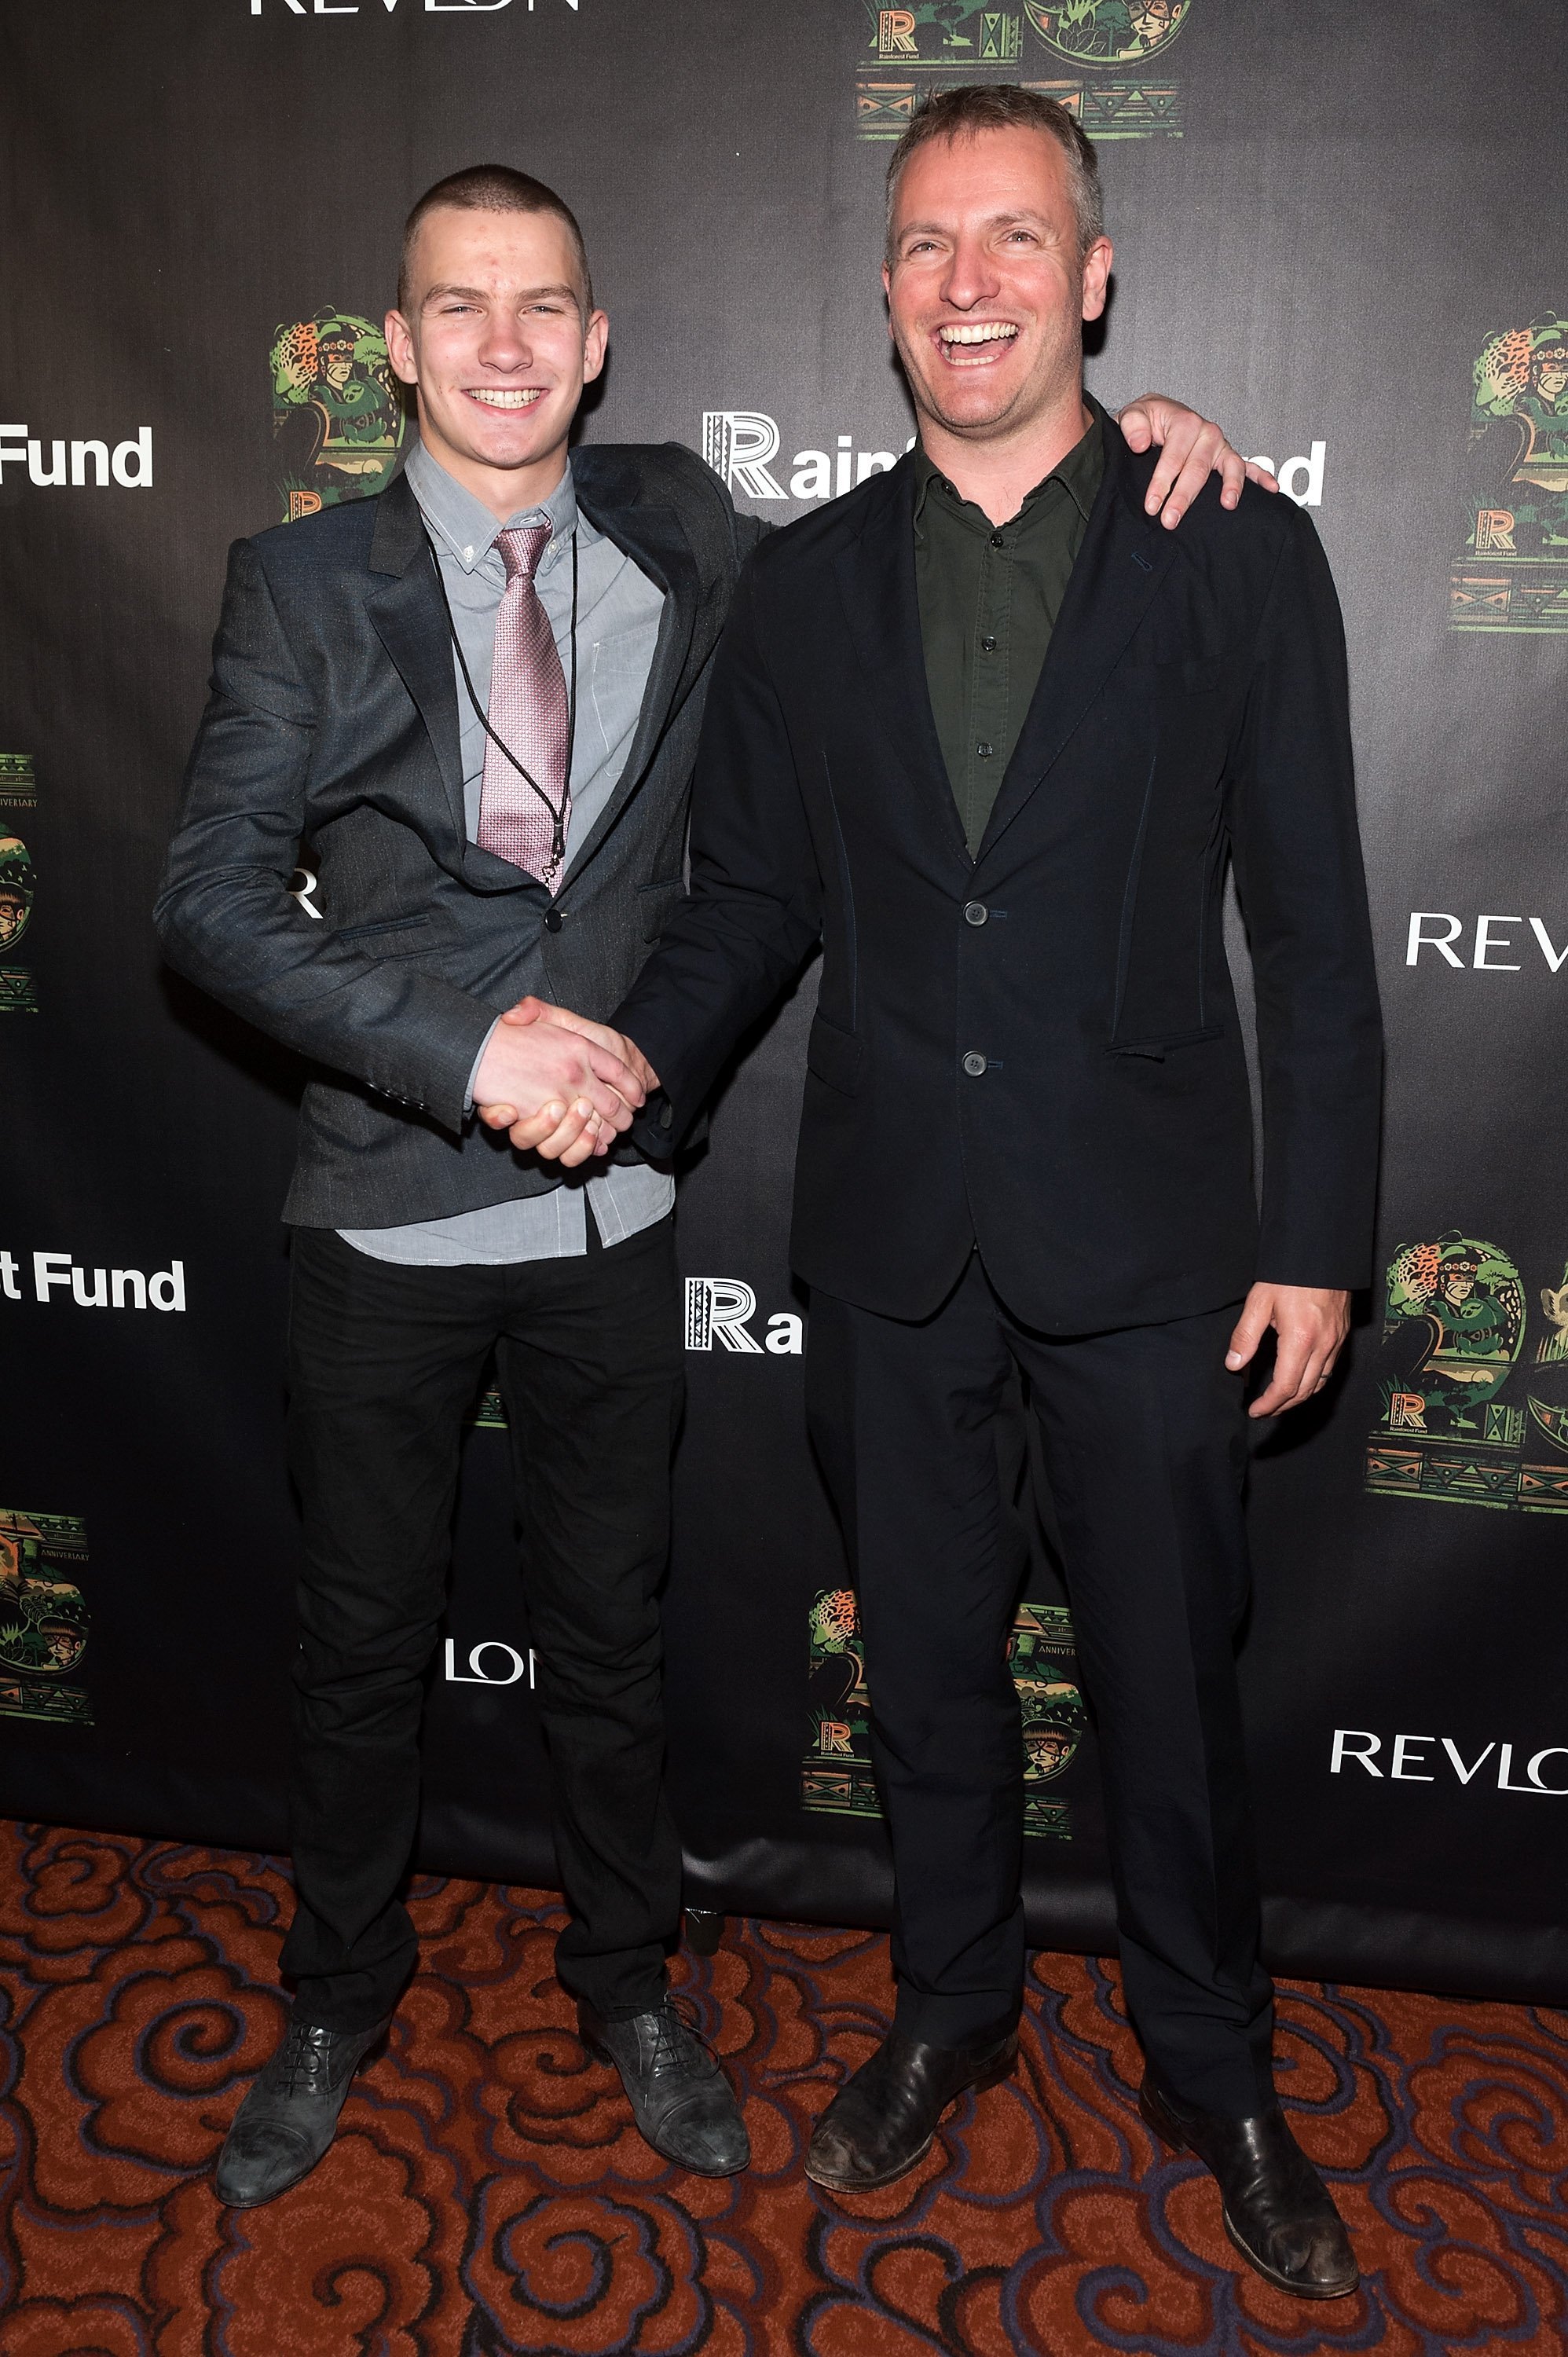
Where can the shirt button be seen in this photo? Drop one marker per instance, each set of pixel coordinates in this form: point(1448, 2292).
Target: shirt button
point(988, 646)
point(985, 751)
point(975, 912)
point(998, 540)
point(975, 1064)
point(553, 920)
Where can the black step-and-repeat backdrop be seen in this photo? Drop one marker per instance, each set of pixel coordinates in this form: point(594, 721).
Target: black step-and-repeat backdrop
point(1338, 229)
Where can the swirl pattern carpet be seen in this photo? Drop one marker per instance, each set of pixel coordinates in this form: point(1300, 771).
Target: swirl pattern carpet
point(487, 2193)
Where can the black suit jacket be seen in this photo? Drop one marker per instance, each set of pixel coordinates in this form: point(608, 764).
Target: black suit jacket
point(1038, 1049)
point(333, 719)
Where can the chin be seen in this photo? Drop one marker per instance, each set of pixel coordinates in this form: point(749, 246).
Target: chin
point(514, 453)
point(973, 415)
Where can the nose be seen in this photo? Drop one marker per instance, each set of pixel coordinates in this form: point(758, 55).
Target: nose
point(972, 276)
point(504, 344)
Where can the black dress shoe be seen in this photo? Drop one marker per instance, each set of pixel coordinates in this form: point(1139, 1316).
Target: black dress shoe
point(290, 2115)
point(682, 2104)
point(1278, 2211)
point(882, 2121)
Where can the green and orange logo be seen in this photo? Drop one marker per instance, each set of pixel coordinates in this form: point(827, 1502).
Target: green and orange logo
point(837, 1778)
point(338, 413)
point(43, 1620)
point(1471, 1412)
point(1512, 573)
point(18, 883)
point(1113, 52)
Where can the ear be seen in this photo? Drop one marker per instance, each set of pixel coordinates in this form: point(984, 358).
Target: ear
point(400, 349)
point(595, 343)
point(1096, 272)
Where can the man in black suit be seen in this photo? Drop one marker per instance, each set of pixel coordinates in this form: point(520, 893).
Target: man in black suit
point(992, 738)
point(476, 696)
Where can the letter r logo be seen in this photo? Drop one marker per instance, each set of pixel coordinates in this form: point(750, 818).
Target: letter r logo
point(737, 444)
point(716, 1310)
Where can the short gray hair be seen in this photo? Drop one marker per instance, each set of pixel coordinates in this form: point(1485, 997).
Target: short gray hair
point(1005, 106)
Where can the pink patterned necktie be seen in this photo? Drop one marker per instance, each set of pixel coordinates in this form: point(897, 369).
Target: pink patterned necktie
point(528, 711)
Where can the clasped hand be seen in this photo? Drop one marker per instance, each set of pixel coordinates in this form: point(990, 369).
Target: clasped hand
point(566, 1088)
point(562, 1086)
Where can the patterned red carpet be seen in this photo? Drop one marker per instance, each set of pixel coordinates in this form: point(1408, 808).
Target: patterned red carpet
point(487, 2193)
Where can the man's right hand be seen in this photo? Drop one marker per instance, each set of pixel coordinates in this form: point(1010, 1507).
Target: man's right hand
point(555, 1090)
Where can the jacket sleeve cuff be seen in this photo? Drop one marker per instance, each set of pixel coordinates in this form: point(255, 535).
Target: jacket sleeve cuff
point(430, 1061)
point(653, 1132)
point(474, 1068)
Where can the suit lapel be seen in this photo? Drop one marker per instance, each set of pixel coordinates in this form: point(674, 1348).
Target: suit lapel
point(656, 543)
point(1123, 559)
point(876, 583)
point(409, 616)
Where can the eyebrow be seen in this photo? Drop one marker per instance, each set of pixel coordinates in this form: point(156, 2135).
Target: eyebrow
point(995, 220)
point(481, 295)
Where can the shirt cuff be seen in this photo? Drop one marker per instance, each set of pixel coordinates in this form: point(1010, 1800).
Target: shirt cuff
point(474, 1069)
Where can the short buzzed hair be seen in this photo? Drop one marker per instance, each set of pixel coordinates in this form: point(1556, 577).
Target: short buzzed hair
point(1005, 106)
point(495, 189)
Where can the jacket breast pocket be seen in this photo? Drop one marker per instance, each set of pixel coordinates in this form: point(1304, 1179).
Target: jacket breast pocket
point(620, 669)
point(1154, 1052)
point(655, 903)
point(835, 1055)
point(399, 937)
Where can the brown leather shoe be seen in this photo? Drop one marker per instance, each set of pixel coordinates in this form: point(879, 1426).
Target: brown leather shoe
point(882, 2121)
point(1278, 2211)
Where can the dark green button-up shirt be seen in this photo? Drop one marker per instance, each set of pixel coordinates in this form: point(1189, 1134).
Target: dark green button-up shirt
point(989, 597)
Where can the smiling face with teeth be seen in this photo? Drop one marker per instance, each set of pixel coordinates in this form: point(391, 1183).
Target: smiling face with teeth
point(987, 293)
point(494, 339)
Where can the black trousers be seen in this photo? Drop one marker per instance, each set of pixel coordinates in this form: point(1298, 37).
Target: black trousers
point(1143, 1444)
point(384, 1363)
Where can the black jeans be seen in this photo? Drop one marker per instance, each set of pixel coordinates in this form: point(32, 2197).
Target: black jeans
point(1143, 1446)
point(384, 1363)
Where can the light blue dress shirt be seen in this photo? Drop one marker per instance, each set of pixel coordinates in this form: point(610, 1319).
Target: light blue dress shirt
point(618, 610)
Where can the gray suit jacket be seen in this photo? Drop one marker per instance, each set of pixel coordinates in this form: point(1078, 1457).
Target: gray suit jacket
point(333, 721)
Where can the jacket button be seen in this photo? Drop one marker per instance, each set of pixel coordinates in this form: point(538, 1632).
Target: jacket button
point(553, 920)
point(975, 1064)
point(975, 912)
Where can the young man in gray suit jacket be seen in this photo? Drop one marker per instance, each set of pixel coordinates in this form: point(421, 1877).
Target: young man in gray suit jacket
point(478, 697)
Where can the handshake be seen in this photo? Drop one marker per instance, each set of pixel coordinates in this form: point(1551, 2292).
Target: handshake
point(563, 1087)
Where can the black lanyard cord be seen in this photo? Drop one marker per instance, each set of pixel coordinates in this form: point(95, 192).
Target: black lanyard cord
point(557, 809)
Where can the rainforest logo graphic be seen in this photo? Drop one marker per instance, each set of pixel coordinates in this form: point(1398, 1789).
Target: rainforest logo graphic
point(43, 1620)
point(1108, 32)
point(1474, 1381)
point(1512, 572)
point(338, 415)
point(837, 1778)
point(18, 792)
point(1112, 52)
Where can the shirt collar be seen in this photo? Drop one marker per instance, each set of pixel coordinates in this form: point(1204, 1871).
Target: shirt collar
point(1079, 474)
point(464, 528)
